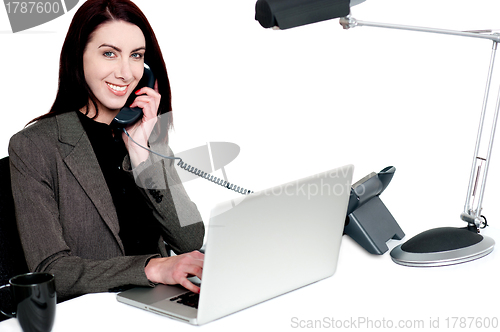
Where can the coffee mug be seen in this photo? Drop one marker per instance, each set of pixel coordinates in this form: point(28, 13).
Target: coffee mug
point(34, 297)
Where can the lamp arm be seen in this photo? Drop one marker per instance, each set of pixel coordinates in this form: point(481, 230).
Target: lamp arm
point(350, 22)
point(471, 214)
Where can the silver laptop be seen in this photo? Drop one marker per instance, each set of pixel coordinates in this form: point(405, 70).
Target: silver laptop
point(257, 240)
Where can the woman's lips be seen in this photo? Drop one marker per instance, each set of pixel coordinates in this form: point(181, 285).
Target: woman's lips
point(119, 90)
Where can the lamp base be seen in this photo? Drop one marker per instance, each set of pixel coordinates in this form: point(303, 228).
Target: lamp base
point(441, 247)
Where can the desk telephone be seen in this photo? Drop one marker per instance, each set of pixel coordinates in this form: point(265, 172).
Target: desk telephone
point(128, 116)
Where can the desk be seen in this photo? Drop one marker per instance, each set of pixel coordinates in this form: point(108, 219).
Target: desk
point(366, 293)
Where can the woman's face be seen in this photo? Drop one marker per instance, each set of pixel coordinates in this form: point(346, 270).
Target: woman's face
point(113, 63)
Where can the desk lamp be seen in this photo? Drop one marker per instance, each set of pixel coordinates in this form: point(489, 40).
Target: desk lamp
point(439, 246)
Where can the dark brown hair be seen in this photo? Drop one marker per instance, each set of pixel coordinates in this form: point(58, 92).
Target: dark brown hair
point(73, 92)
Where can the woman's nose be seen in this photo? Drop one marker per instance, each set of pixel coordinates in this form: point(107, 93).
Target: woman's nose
point(124, 71)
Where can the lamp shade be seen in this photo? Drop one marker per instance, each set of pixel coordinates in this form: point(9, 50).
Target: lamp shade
point(287, 14)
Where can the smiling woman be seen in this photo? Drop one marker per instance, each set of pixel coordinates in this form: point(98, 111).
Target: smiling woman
point(113, 63)
point(83, 208)
point(91, 19)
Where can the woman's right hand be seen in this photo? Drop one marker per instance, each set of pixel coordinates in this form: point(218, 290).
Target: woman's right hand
point(176, 269)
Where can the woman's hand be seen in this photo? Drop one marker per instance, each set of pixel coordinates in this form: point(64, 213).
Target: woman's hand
point(176, 269)
point(149, 100)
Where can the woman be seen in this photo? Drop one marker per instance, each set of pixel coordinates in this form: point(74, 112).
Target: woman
point(81, 213)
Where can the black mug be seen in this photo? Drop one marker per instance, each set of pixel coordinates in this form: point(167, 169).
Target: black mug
point(34, 296)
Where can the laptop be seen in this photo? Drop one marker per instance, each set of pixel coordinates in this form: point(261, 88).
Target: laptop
point(257, 241)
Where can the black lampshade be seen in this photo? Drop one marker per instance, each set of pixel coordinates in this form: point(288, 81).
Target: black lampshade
point(287, 14)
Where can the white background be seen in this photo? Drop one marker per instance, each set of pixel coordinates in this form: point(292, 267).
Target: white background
point(308, 99)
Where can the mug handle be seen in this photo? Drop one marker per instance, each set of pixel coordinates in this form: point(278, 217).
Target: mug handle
point(11, 315)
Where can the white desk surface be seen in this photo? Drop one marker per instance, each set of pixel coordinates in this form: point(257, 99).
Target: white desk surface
point(367, 292)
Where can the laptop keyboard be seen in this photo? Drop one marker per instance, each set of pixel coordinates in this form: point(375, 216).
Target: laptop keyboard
point(190, 299)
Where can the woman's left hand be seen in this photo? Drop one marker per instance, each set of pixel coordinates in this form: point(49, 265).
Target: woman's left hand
point(149, 100)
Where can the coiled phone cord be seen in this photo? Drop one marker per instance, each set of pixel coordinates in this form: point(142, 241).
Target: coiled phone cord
point(196, 171)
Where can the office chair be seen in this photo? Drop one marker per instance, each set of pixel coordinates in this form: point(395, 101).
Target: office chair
point(12, 261)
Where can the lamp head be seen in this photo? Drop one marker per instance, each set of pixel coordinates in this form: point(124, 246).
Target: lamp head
point(286, 14)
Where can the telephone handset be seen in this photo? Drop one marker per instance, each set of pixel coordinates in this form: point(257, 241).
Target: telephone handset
point(128, 115)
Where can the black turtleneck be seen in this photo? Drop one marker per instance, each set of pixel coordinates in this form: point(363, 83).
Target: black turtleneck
point(139, 230)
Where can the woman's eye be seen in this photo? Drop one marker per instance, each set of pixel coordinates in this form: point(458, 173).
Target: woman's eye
point(137, 55)
point(109, 54)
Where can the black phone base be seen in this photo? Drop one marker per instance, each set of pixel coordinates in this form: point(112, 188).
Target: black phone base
point(372, 225)
point(368, 221)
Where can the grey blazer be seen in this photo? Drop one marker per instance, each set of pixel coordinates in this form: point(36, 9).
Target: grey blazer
point(66, 218)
